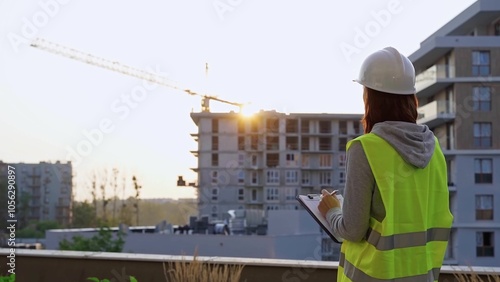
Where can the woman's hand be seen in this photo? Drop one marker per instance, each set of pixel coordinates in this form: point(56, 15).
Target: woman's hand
point(328, 201)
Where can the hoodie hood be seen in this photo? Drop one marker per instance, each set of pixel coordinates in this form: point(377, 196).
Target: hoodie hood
point(414, 142)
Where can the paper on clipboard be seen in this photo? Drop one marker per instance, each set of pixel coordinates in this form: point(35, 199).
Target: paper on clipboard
point(310, 203)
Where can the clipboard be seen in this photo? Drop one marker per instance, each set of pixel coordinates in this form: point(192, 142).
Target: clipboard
point(310, 203)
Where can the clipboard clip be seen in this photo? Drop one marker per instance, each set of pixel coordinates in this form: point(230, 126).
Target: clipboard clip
point(312, 196)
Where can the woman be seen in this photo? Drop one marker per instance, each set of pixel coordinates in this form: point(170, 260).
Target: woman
point(395, 219)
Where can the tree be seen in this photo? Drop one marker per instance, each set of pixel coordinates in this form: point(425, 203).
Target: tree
point(103, 241)
point(115, 192)
point(37, 230)
point(137, 189)
point(84, 214)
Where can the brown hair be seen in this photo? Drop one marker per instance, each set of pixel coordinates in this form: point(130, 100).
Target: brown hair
point(381, 106)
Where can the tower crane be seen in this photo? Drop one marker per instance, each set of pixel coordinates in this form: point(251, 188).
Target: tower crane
point(90, 59)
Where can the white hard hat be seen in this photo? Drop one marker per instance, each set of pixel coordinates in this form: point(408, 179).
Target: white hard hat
point(388, 71)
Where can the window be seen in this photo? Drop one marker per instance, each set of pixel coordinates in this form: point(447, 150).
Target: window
point(357, 127)
point(484, 207)
point(290, 194)
point(497, 29)
point(343, 127)
point(482, 134)
point(241, 143)
point(305, 161)
point(483, 170)
point(304, 126)
point(341, 177)
point(272, 125)
point(241, 194)
point(241, 177)
point(272, 208)
point(481, 98)
point(241, 126)
point(325, 178)
point(254, 160)
point(215, 125)
point(254, 142)
point(215, 194)
point(272, 160)
point(325, 144)
point(291, 176)
point(306, 178)
point(254, 175)
point(214, 211)
point(325, 160)
point(485, 246)
point(215, 143)
point(342, 143)
point(215, 177)
point(291, 159)
point(215, 159)
point(325, 126)
point(480, 63)
point(241, 159)
point(272, 194)
point(342, 159)
point(272, 142)
point(292, 143)
point(292, 126)
point(254, 195)
point(305, 144)
point(273, 177)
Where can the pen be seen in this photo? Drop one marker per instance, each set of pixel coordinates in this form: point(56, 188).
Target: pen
point(311, 196)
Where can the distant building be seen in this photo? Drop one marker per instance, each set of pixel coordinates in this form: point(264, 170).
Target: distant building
point(43, 191)
point(292, 234)
point(458, 88)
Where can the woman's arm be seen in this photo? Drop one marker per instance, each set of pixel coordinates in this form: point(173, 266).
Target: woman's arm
point(352, 222)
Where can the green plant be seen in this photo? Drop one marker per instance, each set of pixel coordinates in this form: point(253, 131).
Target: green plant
point(8, 278)
point(101, 242)
point(95, 279)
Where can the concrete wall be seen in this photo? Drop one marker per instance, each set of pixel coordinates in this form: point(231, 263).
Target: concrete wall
point(50, 266)
point(253, 246)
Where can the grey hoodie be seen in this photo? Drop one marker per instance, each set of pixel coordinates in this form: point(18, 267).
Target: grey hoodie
point(415, 143)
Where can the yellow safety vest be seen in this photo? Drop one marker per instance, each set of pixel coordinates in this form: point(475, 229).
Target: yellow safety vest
point(410, 242)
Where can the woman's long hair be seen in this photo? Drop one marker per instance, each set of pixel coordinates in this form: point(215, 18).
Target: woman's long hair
point(381, 106)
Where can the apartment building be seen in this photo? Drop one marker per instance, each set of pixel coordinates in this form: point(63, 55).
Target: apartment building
point(264, 161)
point(43, 191)
point(458, 88)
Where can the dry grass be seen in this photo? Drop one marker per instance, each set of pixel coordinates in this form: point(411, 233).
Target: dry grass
point(474, 277)
point(197, 271)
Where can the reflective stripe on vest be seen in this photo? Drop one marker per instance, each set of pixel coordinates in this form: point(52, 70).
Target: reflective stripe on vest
point(410, 242)
point(406, 240)
point(357, 275)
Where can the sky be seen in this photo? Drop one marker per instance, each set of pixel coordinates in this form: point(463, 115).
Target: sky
point(285, 55)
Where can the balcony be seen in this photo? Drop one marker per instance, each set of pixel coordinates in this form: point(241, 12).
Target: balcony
point(77, 266)
point(438, 77)
point(436, 113)
point(434, 79)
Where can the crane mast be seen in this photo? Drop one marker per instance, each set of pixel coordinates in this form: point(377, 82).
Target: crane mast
point(90, 59)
